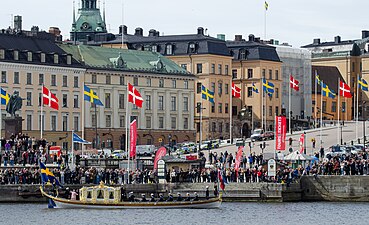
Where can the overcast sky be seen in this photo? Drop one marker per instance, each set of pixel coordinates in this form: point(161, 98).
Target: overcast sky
point(294, 21)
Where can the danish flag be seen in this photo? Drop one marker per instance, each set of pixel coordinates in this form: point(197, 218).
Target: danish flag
point(294, 83)
point(345, 90)
point(49, 98)
point(134, 96)
point(236, 91)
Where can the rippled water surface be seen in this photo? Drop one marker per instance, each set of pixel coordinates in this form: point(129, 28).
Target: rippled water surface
point(228, 214)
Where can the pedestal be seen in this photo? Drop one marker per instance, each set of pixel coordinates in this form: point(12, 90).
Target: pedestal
point(13, 125)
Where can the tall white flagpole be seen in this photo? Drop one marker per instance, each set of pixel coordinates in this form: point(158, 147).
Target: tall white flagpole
point(357, 108)
point(127, 131)
point(230, 113)
point(316, 100)
point(42, 104)
point(321, 112)
point(83, 116)
point(72, 161)
point(338, 112)
point(1, 120)
point(262, 104)
point(289, 107)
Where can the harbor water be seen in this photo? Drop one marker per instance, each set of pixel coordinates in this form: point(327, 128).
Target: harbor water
point(230, 213)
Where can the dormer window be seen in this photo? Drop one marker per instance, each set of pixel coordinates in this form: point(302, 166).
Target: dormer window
point(43, 57)
point(16, 55)
point(154, 48)
point(29, 56)
point(2, 54)
point(56, 58)
point(169, 49)
point(69, 59)
point(242, 54)
point(192, 47)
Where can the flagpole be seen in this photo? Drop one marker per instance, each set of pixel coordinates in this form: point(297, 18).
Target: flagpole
point(316, 100)
point(321, 113)
point(72, 167)
point(42, 103)
point(127, 114)
point(230, 113)
point(200, 138)
point(338, 111)
point(83, 118)
point(1, 120)
point(357, 108)
point(265, 22)
point(262, 104)
point(275, 138)
point(289, 108)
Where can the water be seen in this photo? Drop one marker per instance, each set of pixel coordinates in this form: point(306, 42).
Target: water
point(229, 213)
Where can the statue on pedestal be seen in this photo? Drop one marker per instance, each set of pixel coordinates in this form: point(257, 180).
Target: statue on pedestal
point(14, 104)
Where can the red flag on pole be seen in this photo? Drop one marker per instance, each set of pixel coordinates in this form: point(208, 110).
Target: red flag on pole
point(294, 83)
point(49, 98)
point(236, 91)
point(345, 90)
point(133, 138)
point(159, 153)
point(134, 96)
point(280, 133)
point(220, 178)
point(238, 159)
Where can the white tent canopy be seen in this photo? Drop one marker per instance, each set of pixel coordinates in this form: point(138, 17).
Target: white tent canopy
point(296, 155)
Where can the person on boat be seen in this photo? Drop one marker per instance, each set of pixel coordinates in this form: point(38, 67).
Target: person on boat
point(188, 197)
point(143, 199)
point(67, 193)
point(170, 198)
point(152, 198)
point(131, 197)
point(196, 197)
point(207, 194)
point(73, 195)
point(179, 197)
point(123, 194)
point(161, 198)
point(216, 190)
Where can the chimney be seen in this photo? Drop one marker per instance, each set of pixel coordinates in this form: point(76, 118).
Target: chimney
point(152, 33)
point(337, 39)
point(316, 41)
point(18, 23)
point(257, 39)
point(251, 37)
point(139, 31)
point(157, 34)
point(221, 37)
point(364, 34)
point(238, 37)
point(200, 31)
point(123, 29)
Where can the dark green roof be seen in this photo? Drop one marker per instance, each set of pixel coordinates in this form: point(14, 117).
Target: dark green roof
point(123, 59)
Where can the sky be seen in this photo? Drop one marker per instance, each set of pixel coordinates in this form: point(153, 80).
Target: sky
point(296, 22)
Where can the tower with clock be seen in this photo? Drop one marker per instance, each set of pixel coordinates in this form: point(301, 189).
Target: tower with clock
point(89, 22)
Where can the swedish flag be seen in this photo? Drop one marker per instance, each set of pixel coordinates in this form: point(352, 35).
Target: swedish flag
point(254, 88)
point(207, 94)
point(326, 92)
point(48, 176)
point(362, 84)
point(268, 87)
point(91, 96)
point(317, 79)
point(4, 97)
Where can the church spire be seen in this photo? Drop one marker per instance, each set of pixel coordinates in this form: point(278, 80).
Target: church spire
point(104, 12)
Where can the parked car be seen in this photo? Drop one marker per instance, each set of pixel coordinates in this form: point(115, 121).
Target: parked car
point(257, 135)
point(118, 154)
point(341, 151)
point(269, 135)
point(187, 147)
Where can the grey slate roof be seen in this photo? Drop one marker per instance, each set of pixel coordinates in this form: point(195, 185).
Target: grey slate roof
point(254, 50)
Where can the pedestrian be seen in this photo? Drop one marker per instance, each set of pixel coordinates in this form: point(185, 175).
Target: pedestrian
point(290, 141)
point(207, 192)
point(321, 153)
point(313, 142)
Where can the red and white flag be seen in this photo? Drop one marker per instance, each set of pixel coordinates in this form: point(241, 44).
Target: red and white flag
point(238, 159)
point(49, 98)
point(134, 96)
point(236, 91)
point(345, 90)
point(302, 143)
point(133, 138)
point(294, 83)
point(159, 153)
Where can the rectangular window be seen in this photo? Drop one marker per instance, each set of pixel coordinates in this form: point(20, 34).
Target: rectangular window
point(220, 89)
point(148, 122)
point(185, 84)
point(148, 82)
point(29, 78)
point(277, 110)
point(226, 70)
point(220, 127)
point(16, 77)
point(93, 120)
point(65, 81)
point(173, 101)
point(65, 100)
point(75, 101)
point(122, 121)
point(108, 79)
point(65, 123)
point(220, 108)
point(249, 73)
point(174, 84)
point(169, 49)
point(135, 81)
point(198, 88)
point(76, 123)
point(324, 106)
point(212, 71)
point(213, 127)
point(3, 76)
point(2, 54)
point(277, 92)
point(148, 102)
point(29, 98)
point(185, 104)
point(227, 127)
point(249, 91)
point(185, 123)
point(270, 111)
point(213, 87)
point(174, 123)
point(226, 107)
point(75, 82)
point(161, 103)
point(107, 100)
point(29, 122)
point(263, 73)
point(213, 108)
point(121, 80)
point(93, 78)
point(271, 74)
point(40, 79)
point(161, 122)
point(277, 75)
point(234, 74)
point(161, 83)
point(184, 66)
point(343, 106)
point(53, 123)
point(226, 87)
point(198, 68)
point(353, 66)
point(53, 80)
point(121, 101)
point(108, 120)
point(334, 106)
point(219, 68)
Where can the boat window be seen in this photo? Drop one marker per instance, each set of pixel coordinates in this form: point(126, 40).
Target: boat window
point(111, 195)
point(89, 194)
point(100, 194)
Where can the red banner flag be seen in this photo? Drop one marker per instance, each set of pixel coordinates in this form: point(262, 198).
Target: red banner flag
point(49, 98)
point(238, 159)
point(134, 96)
point(159, 153)
point(236, 91)
point(280, 133)
point(133, 138)
point(220, 179)
point(302, 143)
point(345, 90)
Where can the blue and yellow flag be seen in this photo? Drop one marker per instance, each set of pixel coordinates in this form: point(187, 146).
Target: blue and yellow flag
point(207, 94)
point(317, 79)
point(326, 92)
point(266, 5)
point(268, 87)
point(4, 97)
point(254, 88)
point(91, 96)
point(47, 176)
point(362, 84)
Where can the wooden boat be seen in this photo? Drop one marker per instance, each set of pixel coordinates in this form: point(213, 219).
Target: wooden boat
point(105, 197)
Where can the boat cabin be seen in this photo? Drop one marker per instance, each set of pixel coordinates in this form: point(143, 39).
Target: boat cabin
point(100, 194)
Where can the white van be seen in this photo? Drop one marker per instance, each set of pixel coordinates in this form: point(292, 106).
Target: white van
point(145, 150)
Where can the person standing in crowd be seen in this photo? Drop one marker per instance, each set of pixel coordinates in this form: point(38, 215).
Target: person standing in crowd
point(207, 194)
